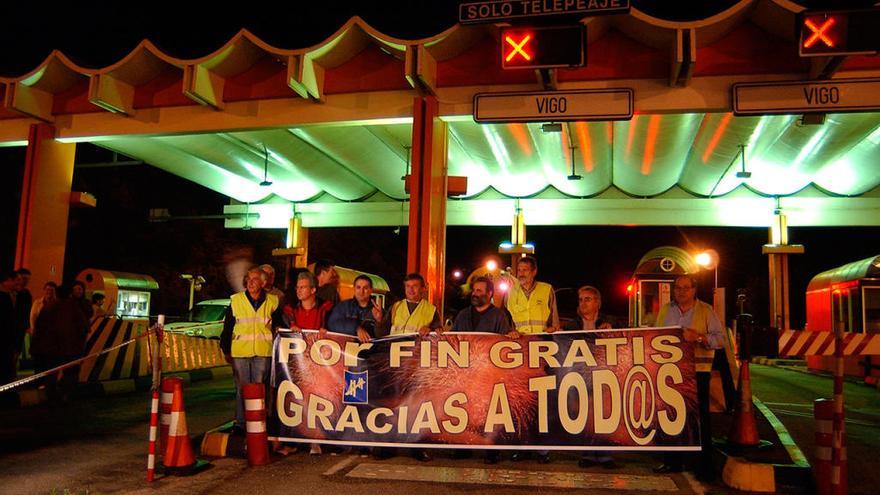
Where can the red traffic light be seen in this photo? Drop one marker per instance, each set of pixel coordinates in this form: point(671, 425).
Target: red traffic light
point(542, 47)
point(822, 34)
point(838, 32)
point(515, 46)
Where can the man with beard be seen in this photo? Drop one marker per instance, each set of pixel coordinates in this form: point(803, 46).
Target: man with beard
point(703, 330)
point(532, 305)
point(357, 316)
point(483, 316)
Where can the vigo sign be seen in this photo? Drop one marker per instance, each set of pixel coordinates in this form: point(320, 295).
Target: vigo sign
point(790, 97)
point(554, 106)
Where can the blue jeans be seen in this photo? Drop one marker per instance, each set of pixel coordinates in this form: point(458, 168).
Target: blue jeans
point(247, 370)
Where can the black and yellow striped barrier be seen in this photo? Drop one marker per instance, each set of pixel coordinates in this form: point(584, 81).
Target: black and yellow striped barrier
point(179, 352)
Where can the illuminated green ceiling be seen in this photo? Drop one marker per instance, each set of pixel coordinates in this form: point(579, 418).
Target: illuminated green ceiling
point(664, 157)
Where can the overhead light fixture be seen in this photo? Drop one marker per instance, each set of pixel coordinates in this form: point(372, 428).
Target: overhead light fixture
point(266, 182)
point(551, 127)
point(742, 174)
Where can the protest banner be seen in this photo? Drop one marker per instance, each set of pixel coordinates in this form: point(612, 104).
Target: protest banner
point(586, 390)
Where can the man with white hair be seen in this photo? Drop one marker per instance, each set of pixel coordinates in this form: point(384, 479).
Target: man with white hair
point(247, 336)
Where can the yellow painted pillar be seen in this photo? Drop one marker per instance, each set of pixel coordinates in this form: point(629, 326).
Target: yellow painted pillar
point(426, 247)
point(45, 204)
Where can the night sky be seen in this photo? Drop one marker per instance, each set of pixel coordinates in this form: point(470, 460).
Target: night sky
point(116, 234)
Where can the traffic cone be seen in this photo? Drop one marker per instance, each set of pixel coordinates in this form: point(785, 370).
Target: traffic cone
point(255, 422)
point(744, 430)
point(178, 458)
point(165, 412)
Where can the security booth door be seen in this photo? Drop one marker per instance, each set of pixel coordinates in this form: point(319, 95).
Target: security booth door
point(652, 295)
point(871, 309)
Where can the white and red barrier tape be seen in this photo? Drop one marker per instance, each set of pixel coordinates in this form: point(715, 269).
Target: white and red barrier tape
point(37, 376)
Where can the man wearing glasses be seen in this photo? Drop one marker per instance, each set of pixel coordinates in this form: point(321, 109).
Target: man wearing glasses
point(703, 330)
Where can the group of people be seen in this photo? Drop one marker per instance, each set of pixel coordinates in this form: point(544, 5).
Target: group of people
point(527, 307)
point(57, 321)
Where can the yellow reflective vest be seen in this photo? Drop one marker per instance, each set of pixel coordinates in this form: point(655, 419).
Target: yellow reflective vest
point(402, 321)
point(530, 314)
point(252, 333)
point(700, 322)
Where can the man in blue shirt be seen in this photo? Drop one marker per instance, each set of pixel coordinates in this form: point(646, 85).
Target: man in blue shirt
point(357, 316)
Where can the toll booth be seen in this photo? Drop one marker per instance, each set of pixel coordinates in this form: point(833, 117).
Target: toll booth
point(846, 298)
point(651, 284)
point(126, 294)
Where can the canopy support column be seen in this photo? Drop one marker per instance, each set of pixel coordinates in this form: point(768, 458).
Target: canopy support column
point(777, 261)
point(426, 246)
point(45, 204)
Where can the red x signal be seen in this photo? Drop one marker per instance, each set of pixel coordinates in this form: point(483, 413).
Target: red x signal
point(819, 33)
point(518, 47)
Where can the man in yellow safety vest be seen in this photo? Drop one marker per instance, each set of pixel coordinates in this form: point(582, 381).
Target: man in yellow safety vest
point(414, 314)
point(532, 305)
point(703, 330)
point(247, 336)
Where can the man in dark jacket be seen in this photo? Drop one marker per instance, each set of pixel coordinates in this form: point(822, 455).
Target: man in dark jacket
point(588, 314)
point(357, 316)
point(60, 337)
point(589, 317)
point(482, 315)
point(7, 327)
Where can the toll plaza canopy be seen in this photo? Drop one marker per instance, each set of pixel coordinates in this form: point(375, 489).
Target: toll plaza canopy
point(333, 125)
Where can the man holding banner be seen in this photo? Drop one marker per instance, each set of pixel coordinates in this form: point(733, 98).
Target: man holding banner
point(414, 314)
point(247, 336)
point(703, 330)
point(532, 305)
point(483, 316)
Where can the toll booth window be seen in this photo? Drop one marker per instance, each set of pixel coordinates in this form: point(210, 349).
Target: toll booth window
point(871, 301)
point(652, 295)
point(133, 303)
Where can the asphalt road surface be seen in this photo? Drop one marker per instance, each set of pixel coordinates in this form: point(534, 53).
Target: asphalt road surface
point(99, 445)
point(790, 393)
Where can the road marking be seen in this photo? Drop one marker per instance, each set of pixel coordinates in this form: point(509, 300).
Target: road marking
point(789, 404)
point(695, 485)
point(514, 477)
point(339, 466)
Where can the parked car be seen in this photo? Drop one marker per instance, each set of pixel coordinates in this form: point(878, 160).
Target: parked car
point(205, 320)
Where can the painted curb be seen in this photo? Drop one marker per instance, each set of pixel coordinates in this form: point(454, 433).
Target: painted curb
point(745, 475)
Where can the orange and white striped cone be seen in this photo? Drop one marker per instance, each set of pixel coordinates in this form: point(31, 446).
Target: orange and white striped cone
point(179, 457)
point(254, 395)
